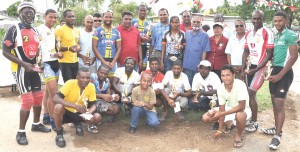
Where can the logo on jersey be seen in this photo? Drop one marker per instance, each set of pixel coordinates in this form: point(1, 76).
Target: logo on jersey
point(8, 43)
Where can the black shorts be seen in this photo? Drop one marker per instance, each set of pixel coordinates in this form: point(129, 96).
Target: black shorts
point(70, 117)
point(281, 87)
point(68, 70)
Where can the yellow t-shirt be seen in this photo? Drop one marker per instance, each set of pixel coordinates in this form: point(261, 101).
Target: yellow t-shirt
point(68, 37)
point(71, 91)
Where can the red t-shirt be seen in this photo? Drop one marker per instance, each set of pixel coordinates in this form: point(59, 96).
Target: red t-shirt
point(182, 28)
point(158, 78)
point(129, 44)
point(217, 56)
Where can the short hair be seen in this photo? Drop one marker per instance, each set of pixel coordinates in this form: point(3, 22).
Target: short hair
point(83, 69)
point(186, 11)
point(66, 12)
point(49, 11)
point(154, 59)
point(177, 62)
point(130, 58)
point(145, 74)
point(142, 5)
point(228, 67)
point(127, 13)
point(240, 20)
point(97, 15)
point(260, 12)
point(205, 27)
point(163, 9)
point(281, 13)
point(108, 11)
point(102, 66)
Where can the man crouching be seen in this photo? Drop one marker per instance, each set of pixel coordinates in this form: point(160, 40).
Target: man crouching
point(71, 105)
point(233, 106)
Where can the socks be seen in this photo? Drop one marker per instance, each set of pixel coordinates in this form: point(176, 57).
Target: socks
point(276, 136)
point(21, 130)
point(52, 123)
point(35, 123)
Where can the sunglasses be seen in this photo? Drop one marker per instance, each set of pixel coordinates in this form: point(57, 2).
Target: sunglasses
point(97, 20)
point(237, 26)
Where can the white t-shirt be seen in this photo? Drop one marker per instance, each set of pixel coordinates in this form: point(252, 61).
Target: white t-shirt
point(85, 42)
point(212, 82)
point(181, 84)
point(124, 82)
point(235, 48)
point(238, 93)
point(47, 43)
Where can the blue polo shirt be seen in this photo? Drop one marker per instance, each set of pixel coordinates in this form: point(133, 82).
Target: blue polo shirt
point(195, 45)
point(157, 35)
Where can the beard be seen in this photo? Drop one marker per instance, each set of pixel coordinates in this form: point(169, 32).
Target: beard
point(196, 28)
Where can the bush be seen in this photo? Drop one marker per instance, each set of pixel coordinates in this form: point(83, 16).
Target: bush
point(2, 32)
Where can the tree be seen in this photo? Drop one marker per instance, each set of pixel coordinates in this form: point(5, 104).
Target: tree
point(118, 7)
point(62, 4)
point(12, 10)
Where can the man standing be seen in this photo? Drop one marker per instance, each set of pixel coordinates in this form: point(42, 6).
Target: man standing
point(186, 21)
point(68, 36)
point(197, 44)
point(205, 83)
point(131, 41)
point(178, 88)
point(285, 55)
point(158, 32)
point(235, 47)
point(97, 20)
point(107, 44)
point(21, 46)
point(258, 50)
point(234, 106)
point(51, 66)
point(86, 55)
point(143, 26)
point(74, 103)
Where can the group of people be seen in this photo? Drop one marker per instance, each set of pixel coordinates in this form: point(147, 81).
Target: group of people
point(103, 68)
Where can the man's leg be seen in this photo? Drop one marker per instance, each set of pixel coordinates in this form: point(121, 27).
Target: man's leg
point(240, 124)
point(190, 74)
point(279, 114)
point(152, 119)
point(136, 112)
point(58, 118)
point(51, 91)
point(46, 116)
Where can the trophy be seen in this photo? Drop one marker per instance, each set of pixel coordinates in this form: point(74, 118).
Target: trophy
point(125, 99)
point(197, 94)
point(248, 64)
point(172, 91)
point(268, 70)
point(212, 104)
point(58, 46)
point(39, 66)
point(149, 33)
point(88, 56)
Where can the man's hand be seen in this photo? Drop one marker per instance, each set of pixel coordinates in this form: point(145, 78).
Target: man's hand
point(140, 64)
point(28, 67)
point(157, 91)
point(216, 135)
point(116, 97)
point(92, 60)
point(107, 97)
point(58, 55)
point(176, 94)
point(75, 48)
point(80, 108)
point(250, 72)
point(171, 103)
point(275, 78)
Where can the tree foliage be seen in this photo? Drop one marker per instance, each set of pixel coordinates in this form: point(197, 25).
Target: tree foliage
point(12, 9)
point(118, 7)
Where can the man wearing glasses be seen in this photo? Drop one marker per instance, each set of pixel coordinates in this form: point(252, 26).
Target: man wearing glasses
point(258, 50)
point(186, 21)
point(97, 20)
point(235, 47)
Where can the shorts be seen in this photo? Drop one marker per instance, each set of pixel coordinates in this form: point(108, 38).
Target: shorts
point(256, 80)
point(112, 71)
point(51, 71)
point(70, 117)
point(27, 81)
point(68, 70)
point(231, 117)
point(281, 87)
point(102, 106)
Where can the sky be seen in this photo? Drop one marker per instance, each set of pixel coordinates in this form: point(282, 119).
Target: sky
point(172, 7)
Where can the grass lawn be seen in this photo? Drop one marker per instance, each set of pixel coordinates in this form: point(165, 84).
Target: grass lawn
point(264, 98)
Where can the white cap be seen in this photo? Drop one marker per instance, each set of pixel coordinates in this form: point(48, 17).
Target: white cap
point(24, 5)
point(218, 23)
point(204, 63)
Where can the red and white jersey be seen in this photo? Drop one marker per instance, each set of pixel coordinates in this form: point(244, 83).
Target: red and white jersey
point(258, 43)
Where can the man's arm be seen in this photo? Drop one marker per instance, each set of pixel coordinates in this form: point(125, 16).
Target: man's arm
point(114, 85)
point(229, 59)
point(118, 46)
point(204, 54)
point(150, 51)
point(140, 56)
point(186, 93)
point(58, 99)
point(209, 93)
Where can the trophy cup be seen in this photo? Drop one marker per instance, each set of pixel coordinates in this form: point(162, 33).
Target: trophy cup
point(88, 56)
point(39, 66)
point(172, 90)
point(125, 99)
point(149, 33)
point(248, 64)
point(212, 104)
point(197, 94)
point(58, 46)
point(268, 70)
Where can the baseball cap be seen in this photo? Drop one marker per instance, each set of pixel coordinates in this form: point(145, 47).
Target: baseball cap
point(218, 24)
point(24, 5)
point(204, 63)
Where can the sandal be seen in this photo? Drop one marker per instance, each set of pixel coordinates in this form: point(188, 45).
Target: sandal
point(92, 129)
point(270, 131)
point(252, 127)
point(228, 130)
point(238, 144)
point(163, 116)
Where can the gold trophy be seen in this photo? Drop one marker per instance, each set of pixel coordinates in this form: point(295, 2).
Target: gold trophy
point(39, 66)
point(85, 101)
point(248, 64)
point(125, 99)
point(197, 94)
point(88, 56)
point(172, 91)
point(58, 46)
point(212, 104)
point(268, 70)
point(149, 33)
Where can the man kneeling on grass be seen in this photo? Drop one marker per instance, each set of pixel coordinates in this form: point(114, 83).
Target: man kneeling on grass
point(143, 100)
point(233, 106)
point(71, 103)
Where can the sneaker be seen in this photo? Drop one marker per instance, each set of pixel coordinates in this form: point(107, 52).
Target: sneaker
point(274, 145)
point(252, 127)
point(60, 141)
point(132, 130)
point(270, 131)
point(46, 119)
point(40, 127)
point(79, 130)
point(21, 138)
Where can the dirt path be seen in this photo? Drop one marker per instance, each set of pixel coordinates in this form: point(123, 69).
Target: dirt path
point(172, 136)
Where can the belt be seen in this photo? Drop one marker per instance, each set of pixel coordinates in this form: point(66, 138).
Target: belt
point(169, 54)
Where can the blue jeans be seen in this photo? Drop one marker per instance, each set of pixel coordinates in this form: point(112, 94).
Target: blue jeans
point(137, 112)
point(168, 63)
point(190, 74)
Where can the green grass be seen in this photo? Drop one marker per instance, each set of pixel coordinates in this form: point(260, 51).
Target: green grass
point(264, 97)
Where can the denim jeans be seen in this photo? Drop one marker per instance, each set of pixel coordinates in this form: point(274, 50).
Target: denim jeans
point(190, 74)
point(137, 112)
